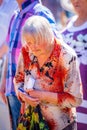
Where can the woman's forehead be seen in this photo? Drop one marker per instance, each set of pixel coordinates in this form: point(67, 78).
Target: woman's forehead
point(28, 37)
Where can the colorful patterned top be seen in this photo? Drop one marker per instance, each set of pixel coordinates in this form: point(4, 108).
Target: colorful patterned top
point(29, 8)
point(59, 74)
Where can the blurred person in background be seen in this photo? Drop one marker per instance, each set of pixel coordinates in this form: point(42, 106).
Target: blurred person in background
point(75, 35)
point(7, 8)
point(13, 42)
point(61, 16)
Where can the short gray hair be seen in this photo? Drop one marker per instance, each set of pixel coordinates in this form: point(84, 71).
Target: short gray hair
point(39, 28)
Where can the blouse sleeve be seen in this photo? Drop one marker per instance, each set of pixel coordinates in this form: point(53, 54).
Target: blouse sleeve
point(72, 95)
point(19, 76)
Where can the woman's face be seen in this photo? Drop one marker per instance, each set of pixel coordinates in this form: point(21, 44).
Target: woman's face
point(36, 48)
point(80, 6)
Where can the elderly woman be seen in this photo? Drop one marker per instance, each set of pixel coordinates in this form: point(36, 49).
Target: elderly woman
point(53, 70)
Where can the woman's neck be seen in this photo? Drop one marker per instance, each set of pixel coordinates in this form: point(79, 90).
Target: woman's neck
point(20, 3)
point(81, 19)
point(44, 57)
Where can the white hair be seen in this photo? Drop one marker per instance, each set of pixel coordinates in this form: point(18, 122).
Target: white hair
point(39, 28)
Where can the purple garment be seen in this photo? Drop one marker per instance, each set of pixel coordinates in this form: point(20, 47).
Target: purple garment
point(76, 37)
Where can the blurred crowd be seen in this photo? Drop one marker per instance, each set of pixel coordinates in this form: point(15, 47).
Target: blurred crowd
point(70, 17)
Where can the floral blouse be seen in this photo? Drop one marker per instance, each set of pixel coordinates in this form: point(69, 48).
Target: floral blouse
point(59, 74)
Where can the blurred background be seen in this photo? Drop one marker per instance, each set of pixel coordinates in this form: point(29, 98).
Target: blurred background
point(61, 15)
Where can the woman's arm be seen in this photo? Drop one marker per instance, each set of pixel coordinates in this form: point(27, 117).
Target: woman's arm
point(19, 82)
point(19, 76)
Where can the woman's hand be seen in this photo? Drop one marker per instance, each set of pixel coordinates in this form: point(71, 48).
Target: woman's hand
point(43, 96)
point(28, 99)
